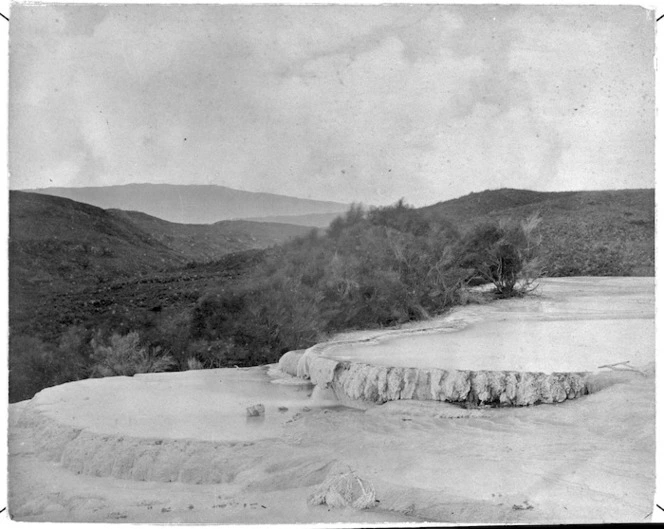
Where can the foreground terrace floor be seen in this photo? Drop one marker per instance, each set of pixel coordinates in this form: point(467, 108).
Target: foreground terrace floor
point(179, 447)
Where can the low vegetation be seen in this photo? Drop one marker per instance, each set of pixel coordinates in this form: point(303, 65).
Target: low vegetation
point(124, 356)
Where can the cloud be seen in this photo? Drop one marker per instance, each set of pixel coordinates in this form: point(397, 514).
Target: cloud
point(349, 103)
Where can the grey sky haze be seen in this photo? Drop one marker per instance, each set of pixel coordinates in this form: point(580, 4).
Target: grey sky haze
point(344, 103)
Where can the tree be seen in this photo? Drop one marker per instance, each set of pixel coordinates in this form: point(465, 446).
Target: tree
point(505, 254)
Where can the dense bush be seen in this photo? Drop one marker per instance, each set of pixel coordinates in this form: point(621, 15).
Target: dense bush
point(370, 269)
point(380, 268)
point(505, 254)
point(35, 364)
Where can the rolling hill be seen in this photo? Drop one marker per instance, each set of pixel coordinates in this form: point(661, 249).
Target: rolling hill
point(193, 204)
point(56, 239)
point(583, 232)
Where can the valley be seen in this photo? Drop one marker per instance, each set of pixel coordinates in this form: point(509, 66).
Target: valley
point(82, 270)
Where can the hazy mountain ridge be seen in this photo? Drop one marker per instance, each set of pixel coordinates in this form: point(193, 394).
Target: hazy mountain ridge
point(192, 204)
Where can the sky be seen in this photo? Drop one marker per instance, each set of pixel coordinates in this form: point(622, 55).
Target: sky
point(347, 103)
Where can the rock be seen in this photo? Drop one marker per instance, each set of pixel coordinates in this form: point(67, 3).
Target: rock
point(359, 384)
point(395, 381)
point(508, 396)
point(323, 394)
point(372, 391)
point(257, 410)
point(579, 384)
point(289, 361)
point(354, 384)
point(527, 389)
point(343, 488)
point(455, 386)
point(525, 506)
point(435, 378)
point(367, 384)
point(303, 365)
point(381, 384)
point(423, 385)
point(410, 383)
point(487, 387)
point(321, 371)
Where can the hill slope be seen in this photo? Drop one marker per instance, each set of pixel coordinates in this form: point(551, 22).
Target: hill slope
point(192, 204)
point(583, 232)
point(476, 205)
point(64, 254)
point(53, 238)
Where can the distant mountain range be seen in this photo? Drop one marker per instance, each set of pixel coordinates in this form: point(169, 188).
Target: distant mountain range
point(194, 204)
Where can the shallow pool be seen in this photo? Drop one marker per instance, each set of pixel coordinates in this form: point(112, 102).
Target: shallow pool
point(513, 344)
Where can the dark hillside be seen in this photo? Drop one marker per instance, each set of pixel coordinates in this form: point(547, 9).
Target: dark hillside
point(206, 242)
point(69, 260)
point(483, 203)
point(58, 246)
point(128, 303)
point(583, 232)
point(53, 239)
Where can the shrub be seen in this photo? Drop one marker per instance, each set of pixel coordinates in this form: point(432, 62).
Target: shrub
point(209, 354)
point(400, 217)
point(505, 254)
point(30, 362)
point(194, 364)
point(355, 215)
point(35, 364)
point(72, 356)
point(124, 356)
point(170, 334)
